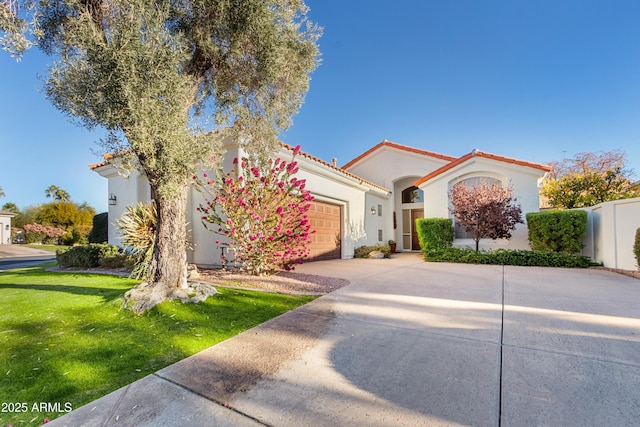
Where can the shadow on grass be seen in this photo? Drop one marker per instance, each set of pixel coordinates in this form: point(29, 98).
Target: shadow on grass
point(106, 293)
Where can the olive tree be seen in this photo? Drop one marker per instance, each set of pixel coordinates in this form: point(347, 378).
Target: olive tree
point(152, 73)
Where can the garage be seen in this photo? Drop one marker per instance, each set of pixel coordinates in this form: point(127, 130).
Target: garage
point(326, 220)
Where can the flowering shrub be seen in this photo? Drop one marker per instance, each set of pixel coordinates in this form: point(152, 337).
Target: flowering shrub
point(37, 233)
point(262, 211)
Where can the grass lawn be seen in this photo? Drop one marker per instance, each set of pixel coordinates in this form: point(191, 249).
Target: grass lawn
point(52, 248)
point(64, 337)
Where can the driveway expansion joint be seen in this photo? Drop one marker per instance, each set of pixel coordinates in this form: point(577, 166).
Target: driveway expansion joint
point(224, 405)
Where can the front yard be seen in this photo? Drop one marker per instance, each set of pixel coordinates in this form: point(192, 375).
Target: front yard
point(65, 341)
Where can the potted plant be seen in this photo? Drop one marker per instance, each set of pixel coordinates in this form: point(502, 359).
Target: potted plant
point(392, 246)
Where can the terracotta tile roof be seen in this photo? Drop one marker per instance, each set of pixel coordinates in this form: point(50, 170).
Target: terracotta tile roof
point(105, 162)
point(478, 153)
point(108, 157)
point(386, 143)
point(339, 169)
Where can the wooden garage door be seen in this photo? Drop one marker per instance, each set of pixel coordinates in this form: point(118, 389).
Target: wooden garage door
point(325, 219)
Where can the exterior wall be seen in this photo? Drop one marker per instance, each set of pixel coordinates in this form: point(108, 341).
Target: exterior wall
point(382, 220)
point(388, 164)
point(325, 187)
point(5, 230)
point(325, 184)
point(611, 229)
point(525, 188)
point(128, 190)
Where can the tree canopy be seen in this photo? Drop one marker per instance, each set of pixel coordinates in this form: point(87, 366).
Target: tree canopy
point(485, 210)
point(158, 75)
point(588, 179)
point(57, 194)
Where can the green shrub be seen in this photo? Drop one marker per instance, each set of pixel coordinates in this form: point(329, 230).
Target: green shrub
point(87, 256)
point(508, 257)
point(364, 251)
point(121, 260)
point(557, 231)
point(435, 233)
point(636, 248)
point(100, 231)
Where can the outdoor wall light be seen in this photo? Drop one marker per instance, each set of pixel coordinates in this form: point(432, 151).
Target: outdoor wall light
point(373, 210)
point(112, 199)
point(6, 227)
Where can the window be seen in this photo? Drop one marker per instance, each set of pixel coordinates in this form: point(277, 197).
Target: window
point(379, 235)
point(379, 210)
point(412, 195)
point(461, 233)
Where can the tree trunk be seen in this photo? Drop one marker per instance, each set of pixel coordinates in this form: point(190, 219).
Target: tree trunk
point(167, 278)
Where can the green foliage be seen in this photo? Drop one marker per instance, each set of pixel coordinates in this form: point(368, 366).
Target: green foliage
point(76, 235)
point(88, 256)
point(57, 194)
point(589, 179)
point(10, 207)
point(364, 251)
point(138, 230)
point(157, 75)
point(100, 230)
point(636, 248)
point(557, 231)
point(507, 257)
point(26, 216)
point(65, 214)
point(435, 233)
point(70, 326)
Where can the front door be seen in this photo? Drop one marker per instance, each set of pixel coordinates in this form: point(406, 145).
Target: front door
point(415, 242)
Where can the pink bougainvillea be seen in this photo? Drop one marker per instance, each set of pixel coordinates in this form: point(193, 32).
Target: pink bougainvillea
point(38, 233)
point(262, 211)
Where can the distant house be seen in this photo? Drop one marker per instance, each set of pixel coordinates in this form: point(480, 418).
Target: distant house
point(5, 227)
point(374, 198)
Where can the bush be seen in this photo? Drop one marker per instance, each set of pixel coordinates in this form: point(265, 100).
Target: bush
point(87, 256)
point(636, 248)
point(557, 231)
point(77, 235)
point(364, 251)
point(508, 257)
point(100, 231)
point(435, 233)
point(38, 233)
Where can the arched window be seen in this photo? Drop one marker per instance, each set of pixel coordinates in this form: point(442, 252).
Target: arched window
point(412, 195)
point(461, 233)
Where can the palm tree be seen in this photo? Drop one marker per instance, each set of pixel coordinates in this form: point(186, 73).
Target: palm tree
point(1, 192)
point(57, 194)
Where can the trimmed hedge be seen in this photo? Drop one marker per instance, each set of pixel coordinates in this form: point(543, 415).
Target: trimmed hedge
point(99, 232)
point(435, 233)
point(87, 256)
point(557, 231)
point(364, 251)
point(508, 257)
point(636, 248)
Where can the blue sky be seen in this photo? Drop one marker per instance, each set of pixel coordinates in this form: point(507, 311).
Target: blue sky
point(535, 80)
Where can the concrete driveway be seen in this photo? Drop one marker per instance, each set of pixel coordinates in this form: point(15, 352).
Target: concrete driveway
point(410, 343)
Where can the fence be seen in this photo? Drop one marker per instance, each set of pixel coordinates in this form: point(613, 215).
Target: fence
point(611, 229)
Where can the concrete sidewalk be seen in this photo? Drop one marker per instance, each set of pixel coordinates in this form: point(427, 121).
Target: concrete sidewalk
point(22, 252)
point(412, 343)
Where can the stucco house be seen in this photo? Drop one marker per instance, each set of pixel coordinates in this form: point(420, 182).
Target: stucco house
point(5, 227)
point(374, 198)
